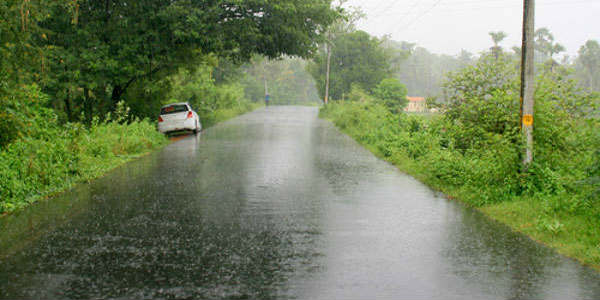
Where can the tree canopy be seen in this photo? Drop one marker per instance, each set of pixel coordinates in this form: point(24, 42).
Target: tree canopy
point(95, 50)
point(544, 44)
point(497, 37)
point(391, 93)
point(357, 58)
point(588, 65)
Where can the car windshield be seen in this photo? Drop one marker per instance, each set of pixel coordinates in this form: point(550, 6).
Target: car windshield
point(173, 109)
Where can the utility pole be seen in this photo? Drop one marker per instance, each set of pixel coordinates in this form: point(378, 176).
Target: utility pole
point(328, 70)
point(527, 80)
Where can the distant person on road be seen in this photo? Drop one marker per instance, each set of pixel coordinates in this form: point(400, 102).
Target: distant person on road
point(267, 98)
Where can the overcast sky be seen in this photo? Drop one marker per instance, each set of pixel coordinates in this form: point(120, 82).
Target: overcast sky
point(447, 26)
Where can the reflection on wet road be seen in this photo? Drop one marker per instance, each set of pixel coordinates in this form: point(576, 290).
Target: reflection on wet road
point(275, 204)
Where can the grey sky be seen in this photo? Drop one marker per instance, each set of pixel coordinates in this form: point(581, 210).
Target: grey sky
point(447, 26)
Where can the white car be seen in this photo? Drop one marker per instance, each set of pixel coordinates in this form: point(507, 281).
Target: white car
point(178, 117)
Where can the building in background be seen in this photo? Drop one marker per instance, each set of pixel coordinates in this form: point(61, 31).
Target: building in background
point(416, 104)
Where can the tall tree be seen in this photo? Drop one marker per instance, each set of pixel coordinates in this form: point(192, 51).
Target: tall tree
point(109, 45)
point(518, 52)
point(392, 94)
point(555, 48)
point(465, 57)
point(23, 58)
point(497, 37)
point(545, 45)
point(423, 72)
point(345, 24)
point(588, 65)
point(357, 58)
point(544, 40)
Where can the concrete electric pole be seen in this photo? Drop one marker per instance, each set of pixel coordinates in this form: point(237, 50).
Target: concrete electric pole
point(527, 80)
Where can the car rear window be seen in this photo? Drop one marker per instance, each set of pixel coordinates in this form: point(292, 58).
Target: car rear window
point(173, 109)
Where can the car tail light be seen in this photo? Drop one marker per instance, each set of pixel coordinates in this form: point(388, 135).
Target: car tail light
point(190, 115)
point(160, 119)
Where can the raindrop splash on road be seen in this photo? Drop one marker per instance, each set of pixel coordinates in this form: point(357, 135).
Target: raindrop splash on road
point(275, 204)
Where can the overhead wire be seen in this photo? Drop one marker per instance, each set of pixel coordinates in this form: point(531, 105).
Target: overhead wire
point(380, 11)
point(410, 23)
point(410, 9)
point(459, 7)
point(481, 5)
point(513, 2)
point(477, 5)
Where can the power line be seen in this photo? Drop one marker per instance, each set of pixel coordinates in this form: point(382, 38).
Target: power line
point(477, 5)
point(419, 16)
point(386, 9)
point(466, 8)
point(515, 2)
point(457, 7)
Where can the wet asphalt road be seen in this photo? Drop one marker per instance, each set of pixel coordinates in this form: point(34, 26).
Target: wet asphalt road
point(276, 204)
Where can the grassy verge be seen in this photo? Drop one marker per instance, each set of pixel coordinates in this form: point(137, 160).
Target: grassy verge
point(482, 177)
point(97, 151)
point(575, 236)
point(40, 166)
point(36, 167)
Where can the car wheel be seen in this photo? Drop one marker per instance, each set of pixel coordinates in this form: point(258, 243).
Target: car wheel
point(195, 131)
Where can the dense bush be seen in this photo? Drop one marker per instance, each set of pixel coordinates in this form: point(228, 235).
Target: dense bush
point(483, 105)
point(52, 157)
point(23, 112)
point(594, 179)
point(474, 148)
point(357, 58)
point(40, 155)
point(556, 201)
point(428, 147)
point(392, 94)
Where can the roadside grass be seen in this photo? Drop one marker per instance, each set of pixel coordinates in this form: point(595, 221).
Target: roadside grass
point(41, 166)
point(34, 168)
point(575, 236)
point(555, 211)
point(99, 149)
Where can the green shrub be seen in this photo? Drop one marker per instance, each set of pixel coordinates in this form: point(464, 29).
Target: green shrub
point(473, 151)
point(475, 147)
point(37, 165)
point(391, 94)
point(23, 113)
point(593, 181)
point(358, 94)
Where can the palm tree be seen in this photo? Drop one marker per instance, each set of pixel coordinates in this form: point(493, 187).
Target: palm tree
point(555, 49)
point(518, 51)
point(543, 41)
point(497, 37)
point(588, 62)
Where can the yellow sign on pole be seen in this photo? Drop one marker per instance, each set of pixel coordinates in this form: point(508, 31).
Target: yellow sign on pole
point(528, 120)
